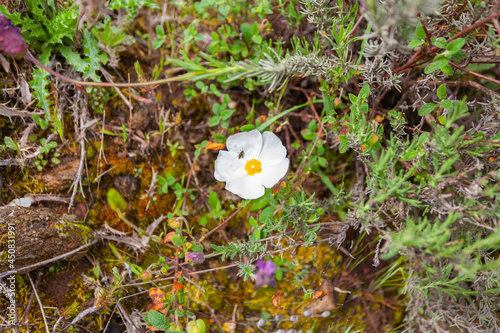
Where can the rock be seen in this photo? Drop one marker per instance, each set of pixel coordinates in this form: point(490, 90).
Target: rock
point(62, 175)
point(127, 185)
point(325, 303)
point(40, 234)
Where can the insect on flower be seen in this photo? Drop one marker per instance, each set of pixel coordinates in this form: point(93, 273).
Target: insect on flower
point(252, 162)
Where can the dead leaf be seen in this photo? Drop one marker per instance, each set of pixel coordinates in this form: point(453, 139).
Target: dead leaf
point(323, 299)
point(178, 286)
point(319, 294)
point(277, 298)
point(229, 327)
point(157, 296)
point(215, 146)
point(168, 237)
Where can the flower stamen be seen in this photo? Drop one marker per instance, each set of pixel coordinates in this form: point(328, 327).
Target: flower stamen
point(253, 167)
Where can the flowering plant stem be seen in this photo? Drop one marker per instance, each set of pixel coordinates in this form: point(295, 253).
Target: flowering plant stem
point(190, 76)
point(284, 113)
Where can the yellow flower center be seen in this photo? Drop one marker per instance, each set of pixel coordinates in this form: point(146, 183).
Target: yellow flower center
point(253, 166)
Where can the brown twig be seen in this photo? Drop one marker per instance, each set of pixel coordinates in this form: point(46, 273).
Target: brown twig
point(426, 33)
point(474, 73)
point(435, 48)
point(466, 138)
point(470, 84)
point(51, 260)
point(222, 225)
point(40, 304)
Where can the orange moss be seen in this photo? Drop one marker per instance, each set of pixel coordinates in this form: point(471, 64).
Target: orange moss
point(118, 165)
point(109, 216)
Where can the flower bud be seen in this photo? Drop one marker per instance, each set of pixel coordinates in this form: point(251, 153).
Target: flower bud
point(11, 41)
point(174, 223)
point(146, 276)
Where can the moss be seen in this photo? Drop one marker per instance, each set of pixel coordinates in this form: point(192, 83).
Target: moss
point(73, 230)
point(109, 216)
point(78, 292)
point(118, 165)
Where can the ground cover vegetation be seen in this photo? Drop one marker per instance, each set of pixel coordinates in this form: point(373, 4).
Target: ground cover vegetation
point(388, 217)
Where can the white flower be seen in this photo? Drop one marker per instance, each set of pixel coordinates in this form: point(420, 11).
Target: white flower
point(253, 161)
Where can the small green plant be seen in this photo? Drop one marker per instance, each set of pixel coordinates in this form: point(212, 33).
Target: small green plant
point(44, 152)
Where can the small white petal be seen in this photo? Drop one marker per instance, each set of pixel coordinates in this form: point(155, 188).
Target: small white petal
point(273, 151)
point(228, 166)
point(246, 187)
point(272, 174)
point(248, 142)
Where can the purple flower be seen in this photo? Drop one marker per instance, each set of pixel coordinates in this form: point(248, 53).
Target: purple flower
point(264, 275)
point(196, 257)
point(11, 41)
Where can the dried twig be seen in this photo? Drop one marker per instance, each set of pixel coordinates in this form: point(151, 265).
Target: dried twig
point(77, 182)
point(39, 303)
point(51, 260)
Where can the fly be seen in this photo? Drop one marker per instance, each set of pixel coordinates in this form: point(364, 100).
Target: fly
point(241, 154)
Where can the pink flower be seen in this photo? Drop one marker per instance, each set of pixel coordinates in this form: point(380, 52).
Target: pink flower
point(264, 276)
point(11, 41)
point(196, 257)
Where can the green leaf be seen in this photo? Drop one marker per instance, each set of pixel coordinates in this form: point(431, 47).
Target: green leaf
point(363, 93)
point(434, 66)
point(214, 202)
point(246, 30)
point(176, 240)
point(447, 70)
point(92, 57)
point(447, 104)
point(10, 143)
point(328, 104)
point(343, 147)
point(73, 58)
point(426, 109)
point(409, 155)
point(459, 55)
point(260, 203)
point(159, 31)
point(442, 120)
point(420, 32)
point(226, 114)
point(455, 45)
point(353, 98)
point(115, 200)
point(157, 319)
point(257, 39)
point(415, 43)
point(197, 326)
point(440, 42)
point(196, 248)
point(252, 222)
point(247, 128)
point(441, 91)
point(39, 84)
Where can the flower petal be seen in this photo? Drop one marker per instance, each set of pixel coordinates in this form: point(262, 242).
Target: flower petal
point(228, 166)
point(246, 187)
point(269, 267)
point(248, 142)
point(272, 174)
point(273, 151)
